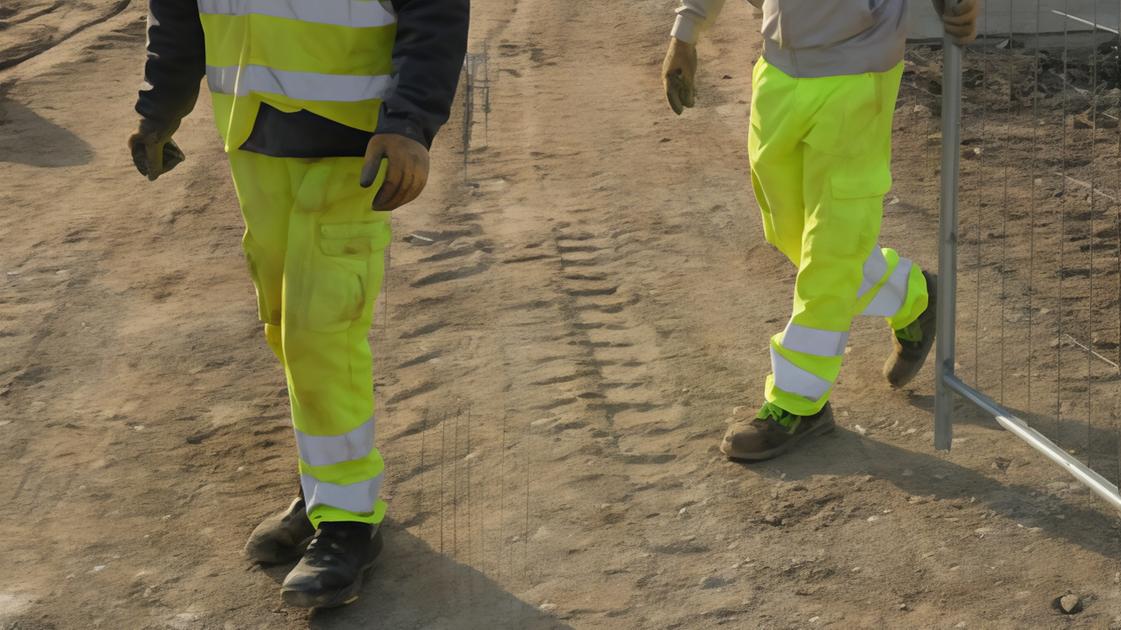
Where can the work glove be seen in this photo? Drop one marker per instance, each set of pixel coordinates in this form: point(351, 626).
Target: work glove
point(679, 72)
point(959, 19)
point(405, 162)
point(153, 151)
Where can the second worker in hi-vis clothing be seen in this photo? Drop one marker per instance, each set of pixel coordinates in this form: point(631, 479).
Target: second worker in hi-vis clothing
point(327, 110)
point(823, 97)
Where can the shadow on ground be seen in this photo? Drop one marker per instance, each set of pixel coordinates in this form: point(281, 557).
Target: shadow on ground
point(28, 138)
point(1096, 442)
point(415, 586)
point(920, 474)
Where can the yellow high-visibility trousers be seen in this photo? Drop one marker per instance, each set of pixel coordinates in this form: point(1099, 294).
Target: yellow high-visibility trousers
point(315, 252)
point(820, 152)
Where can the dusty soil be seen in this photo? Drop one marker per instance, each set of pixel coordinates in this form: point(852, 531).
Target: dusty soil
point(576, 306)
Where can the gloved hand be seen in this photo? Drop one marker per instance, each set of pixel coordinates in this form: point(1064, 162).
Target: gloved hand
point(960, 19)
point(406, 171)
point(153, 151)
point(679, 72)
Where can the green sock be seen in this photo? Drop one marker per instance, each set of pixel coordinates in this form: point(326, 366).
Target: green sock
point(911, 333)
point(779, 417)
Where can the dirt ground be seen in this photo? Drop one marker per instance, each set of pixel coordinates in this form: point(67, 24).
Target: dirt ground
point(576, 306)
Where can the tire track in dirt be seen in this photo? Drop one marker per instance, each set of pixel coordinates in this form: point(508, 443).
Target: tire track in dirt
point(575, 370)
point(624, 363)
point(25, 34)
point(541, 472)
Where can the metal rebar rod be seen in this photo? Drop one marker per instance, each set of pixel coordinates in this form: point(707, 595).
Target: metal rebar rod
point(1013, 104)
point(1091, 352)
point(1117, 435)
point(979, 236)
point(1034, 194)
point(947, 243)
point(1093, 234)
point(1093, 23)
point(1037, 440)
point(1057, 426)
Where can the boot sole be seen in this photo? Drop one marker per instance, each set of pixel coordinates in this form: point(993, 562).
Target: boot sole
point(821, 427)
point(346, 595)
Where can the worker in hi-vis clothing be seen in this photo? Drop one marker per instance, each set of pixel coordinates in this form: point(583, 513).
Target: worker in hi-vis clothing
point(327, 109)
point(823, 97)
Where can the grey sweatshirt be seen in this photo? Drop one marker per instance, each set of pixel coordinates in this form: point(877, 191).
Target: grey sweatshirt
point(816, 38)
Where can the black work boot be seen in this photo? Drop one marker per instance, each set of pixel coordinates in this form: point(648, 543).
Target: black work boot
point(281, 537)
point(913, 343)
point(773, 432)
point(330, 573)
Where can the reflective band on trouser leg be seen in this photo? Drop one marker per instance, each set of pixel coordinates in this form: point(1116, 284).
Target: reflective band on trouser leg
point(324, 450)
point(899, 294)
point(352, 495)
point(914, 304)
point(791, 378)
point(804, 363)
point(875, 271)
point(890, 296)
point(822, 343)
point(800, 382)
point(332, 502)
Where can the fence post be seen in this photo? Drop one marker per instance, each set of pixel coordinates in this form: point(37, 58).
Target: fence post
point(947, 242)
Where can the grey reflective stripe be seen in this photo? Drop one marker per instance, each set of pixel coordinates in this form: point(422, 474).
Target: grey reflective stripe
point(821, 343)
point(357, 498)
point(793, 379)
point(355, 13)
point(324, 450)
point(890, 298)
point(306, 86)
point(875, 266)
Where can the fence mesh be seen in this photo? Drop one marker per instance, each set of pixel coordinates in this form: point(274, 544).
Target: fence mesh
point(1038, 319)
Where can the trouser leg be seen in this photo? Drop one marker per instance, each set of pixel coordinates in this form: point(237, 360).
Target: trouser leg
point(265, 193)
point(331, 271)
point(775, 151)
point(845, 140)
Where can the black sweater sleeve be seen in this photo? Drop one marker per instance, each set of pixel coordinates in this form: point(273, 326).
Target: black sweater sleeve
point(428, 56)
point(176, 61)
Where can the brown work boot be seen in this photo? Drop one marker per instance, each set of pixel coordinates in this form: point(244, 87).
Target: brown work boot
point(913, 343)
point(281, 537)
point(773, 432)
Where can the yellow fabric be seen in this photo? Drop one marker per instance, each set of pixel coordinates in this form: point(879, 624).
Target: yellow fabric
point(287, 44)
point(315, 251)
point(347, 472)
point(327, 514)
point(820, 151)
point(291, 45)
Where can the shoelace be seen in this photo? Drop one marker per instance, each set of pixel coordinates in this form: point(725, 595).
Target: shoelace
point(779, 417)
point(326, 544)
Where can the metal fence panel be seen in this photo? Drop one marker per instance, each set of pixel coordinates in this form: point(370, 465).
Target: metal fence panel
point(1029, 314)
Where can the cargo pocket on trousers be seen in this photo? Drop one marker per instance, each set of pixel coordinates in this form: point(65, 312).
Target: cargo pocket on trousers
point(860, 183)
point(852, 225)
point(343, 284)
